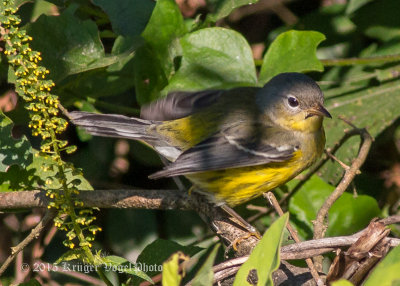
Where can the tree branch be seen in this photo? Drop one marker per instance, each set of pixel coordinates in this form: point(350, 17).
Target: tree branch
point(301, 250)
point(140, 198)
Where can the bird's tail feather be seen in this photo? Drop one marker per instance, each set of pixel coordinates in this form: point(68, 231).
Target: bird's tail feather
point(119, 126)
point(113, 125)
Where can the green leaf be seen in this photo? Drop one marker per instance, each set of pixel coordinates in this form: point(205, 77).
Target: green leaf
point(160, 250)
point(264, 259)
point(358, 105)
point(292, 51)
point(222, 8)
point(12, 151)
point(36, 174)
point(120, 264)
point(350, 214)
point(342, 282)
point(17, 179)
point(41, 175)
point(165, 26)
point(346, 216)
point(205, 275)
point(170, 274)
point(214, 58)
point(68, 45)
point(128, 44)
point(154, 62)
point(30, 11)
point(128, 17)
point(386, 273)
point(357, 101)
point(151, 78)
point(102, 82)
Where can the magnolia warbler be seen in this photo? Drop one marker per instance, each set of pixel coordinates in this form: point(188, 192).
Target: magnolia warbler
point(233, 145)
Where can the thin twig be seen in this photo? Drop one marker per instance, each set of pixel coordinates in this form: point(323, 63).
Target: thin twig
point(49, 215)
point(353, 61)
point(391, 220)
point(334, 158)
point(274, 202)
point(319, 225)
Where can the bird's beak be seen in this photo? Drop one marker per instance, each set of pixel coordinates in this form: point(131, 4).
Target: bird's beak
point(318, 110)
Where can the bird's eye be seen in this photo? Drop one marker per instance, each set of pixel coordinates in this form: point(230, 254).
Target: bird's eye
point(293, 101)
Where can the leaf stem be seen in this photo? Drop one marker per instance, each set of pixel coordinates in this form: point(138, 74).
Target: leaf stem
point(71, 208)
point(361, 61)
point(352, 61)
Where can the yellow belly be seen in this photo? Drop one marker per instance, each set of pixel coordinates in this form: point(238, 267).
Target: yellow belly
point(238, 185)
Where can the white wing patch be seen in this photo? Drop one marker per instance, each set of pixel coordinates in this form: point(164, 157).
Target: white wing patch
point(171, 153)
point(231, 140)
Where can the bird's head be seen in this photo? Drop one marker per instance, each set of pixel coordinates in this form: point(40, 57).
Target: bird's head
point(293, 101)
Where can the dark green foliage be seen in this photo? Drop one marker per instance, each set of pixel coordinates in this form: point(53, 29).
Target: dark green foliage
point(114, 56)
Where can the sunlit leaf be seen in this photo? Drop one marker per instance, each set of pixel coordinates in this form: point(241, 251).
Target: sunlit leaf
point(387, 271)
point(214, 58)
point(68, 45)
point(346, 216)
point(160, 250)
point(167, 15)
point(205, 275)
point(292, 51)
point(264, 258)
point(342, 282)
point(171, 274)
point(12, 151)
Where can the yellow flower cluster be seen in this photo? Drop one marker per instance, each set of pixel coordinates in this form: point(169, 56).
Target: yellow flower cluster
point(31, 84)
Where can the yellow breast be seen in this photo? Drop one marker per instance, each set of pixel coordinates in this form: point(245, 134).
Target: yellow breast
point(238, 185)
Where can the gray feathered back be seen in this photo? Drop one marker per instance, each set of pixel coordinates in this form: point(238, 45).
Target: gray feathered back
point(179, 104)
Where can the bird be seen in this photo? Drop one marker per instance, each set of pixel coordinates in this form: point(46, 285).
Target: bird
point(233, 145)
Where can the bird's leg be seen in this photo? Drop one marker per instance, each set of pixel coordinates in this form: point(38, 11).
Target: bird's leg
point(243, 223)
point(176, 180)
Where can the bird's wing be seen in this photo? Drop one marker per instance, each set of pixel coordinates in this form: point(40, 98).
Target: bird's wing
point(226, 150)
point(179, 104)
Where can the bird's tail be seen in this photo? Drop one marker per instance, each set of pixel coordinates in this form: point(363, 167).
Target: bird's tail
point(119, 126)
point(113, 125)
